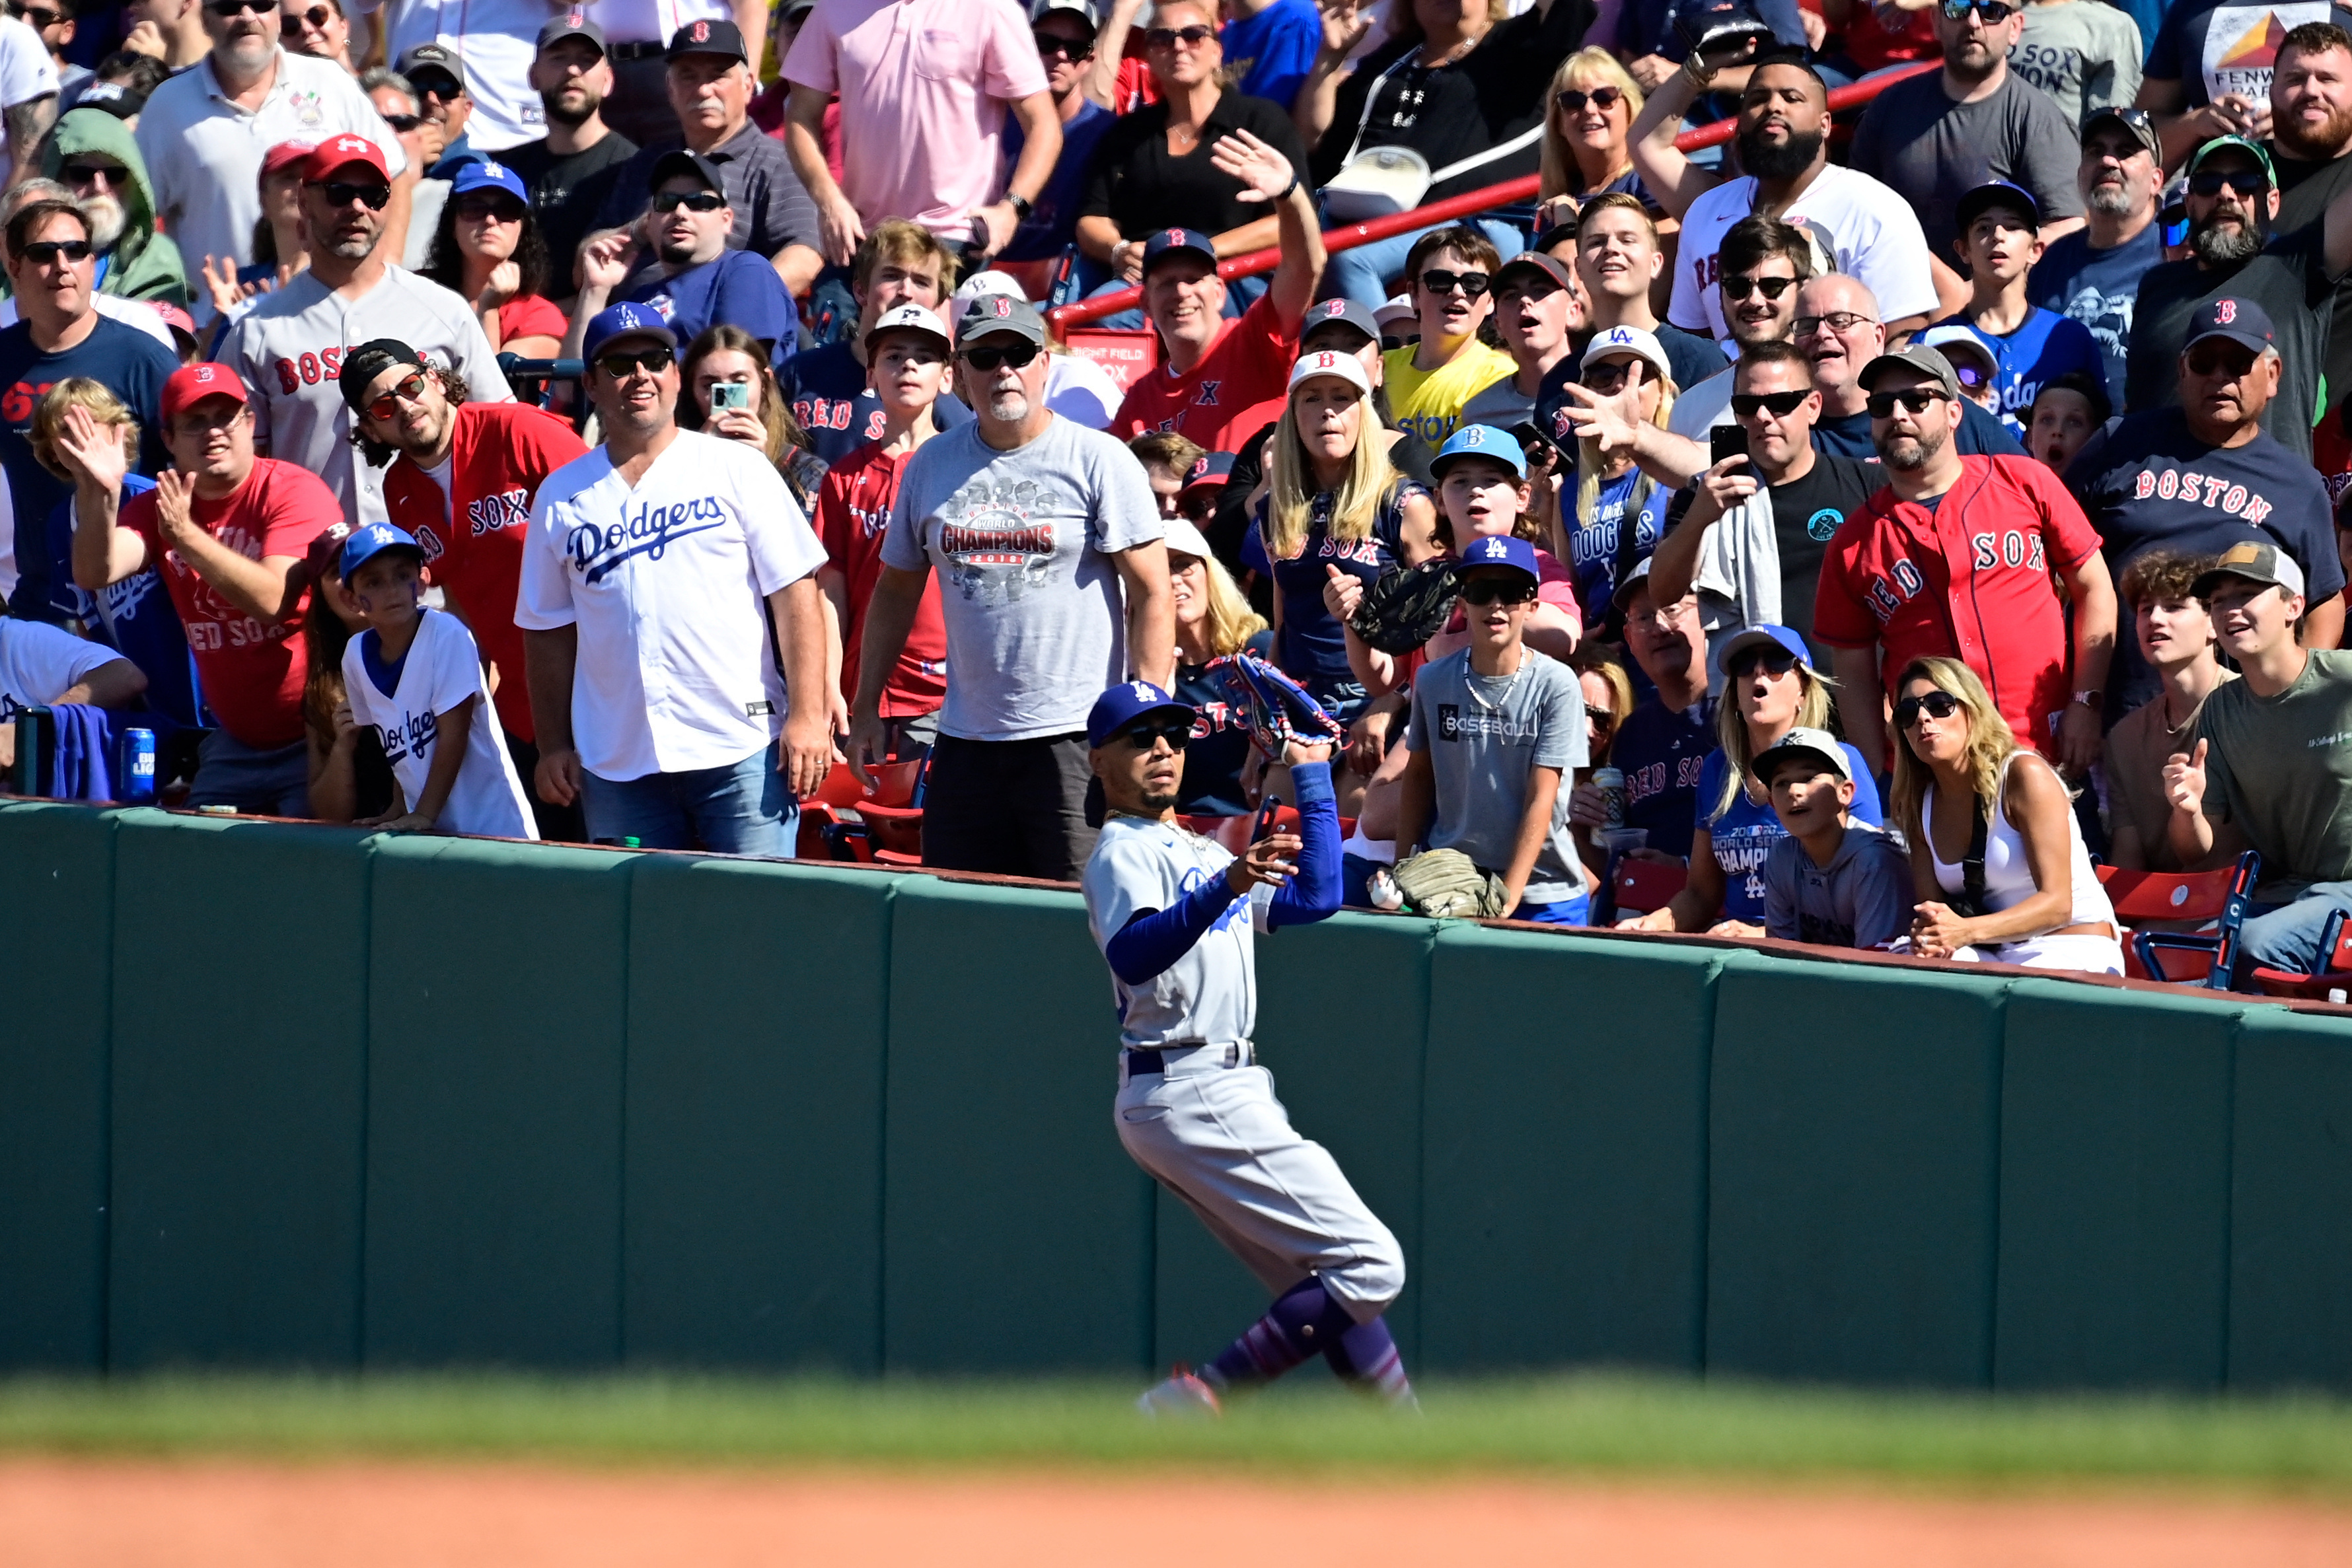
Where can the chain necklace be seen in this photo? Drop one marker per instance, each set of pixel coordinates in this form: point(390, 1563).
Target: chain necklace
point(1470, 679)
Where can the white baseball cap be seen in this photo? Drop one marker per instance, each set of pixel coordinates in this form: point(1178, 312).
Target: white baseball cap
point(1329, 362)
point(908, 316)
point(1397, 309)
point(1184, 538)
point(986, 285)
point(1639, 342)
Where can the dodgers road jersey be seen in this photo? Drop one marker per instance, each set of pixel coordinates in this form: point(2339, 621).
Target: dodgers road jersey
point(1210, 995)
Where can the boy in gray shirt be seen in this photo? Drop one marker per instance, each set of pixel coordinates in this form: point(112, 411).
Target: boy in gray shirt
point(1496, 728)
point(1832, 881)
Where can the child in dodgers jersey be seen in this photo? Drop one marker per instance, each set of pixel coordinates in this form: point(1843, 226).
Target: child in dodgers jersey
point(1194, 1109)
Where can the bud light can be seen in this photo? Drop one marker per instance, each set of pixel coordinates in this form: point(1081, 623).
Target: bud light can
point(134, 774)
point(1611, 782)
point(37, 746)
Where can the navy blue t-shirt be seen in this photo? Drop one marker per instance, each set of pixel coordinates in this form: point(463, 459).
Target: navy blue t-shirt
point(1746, 831)
point(129, 363)
point(1662, 754)
point(1979, 435)
point(2097, 287)
point(1312, 648)
point(1052, 225)
point(1220, 748)
point(826, 387)
point(134, 617)
point(739, 288)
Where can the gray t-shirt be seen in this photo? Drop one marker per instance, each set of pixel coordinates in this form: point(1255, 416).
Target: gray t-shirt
point(1933, 151)
point(1501, 405)
point(1022, 541)
point(2083, 54)
point(1862, 898)
point(1483, 735)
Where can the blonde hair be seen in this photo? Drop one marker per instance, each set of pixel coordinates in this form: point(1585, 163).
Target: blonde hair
point(1588, 451)
point(1595, 658)
point(49, 417)
point(1231, 622)
point(1990, 741)
point(1361, 489)
point(1559, 173)
point(1731, 732)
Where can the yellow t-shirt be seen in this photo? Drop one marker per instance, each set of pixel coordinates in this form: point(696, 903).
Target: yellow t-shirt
point(1429, 403)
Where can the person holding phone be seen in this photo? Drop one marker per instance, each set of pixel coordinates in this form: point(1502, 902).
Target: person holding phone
point(732, 394)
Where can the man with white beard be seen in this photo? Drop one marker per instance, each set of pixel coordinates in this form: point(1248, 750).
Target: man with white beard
point(93, 155)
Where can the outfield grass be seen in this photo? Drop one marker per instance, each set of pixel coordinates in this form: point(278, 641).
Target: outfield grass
point(1588, 1425)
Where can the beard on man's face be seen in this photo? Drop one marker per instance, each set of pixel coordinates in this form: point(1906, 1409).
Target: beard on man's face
point(2216, 245)
point(1769, 160)
point(578, 111)
point(1908, 452)
point(2315, 146)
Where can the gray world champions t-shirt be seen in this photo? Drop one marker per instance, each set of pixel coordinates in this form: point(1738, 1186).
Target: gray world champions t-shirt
point(1022, 541)
point(1483, 735)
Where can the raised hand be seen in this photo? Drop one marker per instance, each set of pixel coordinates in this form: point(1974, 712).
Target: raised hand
point(604, 261)
point(93, 451)
point(504, 283)
point(1264, 174)
point(1270, 861)
point(220, 281)
point(1345, 26)
point(2184, 781)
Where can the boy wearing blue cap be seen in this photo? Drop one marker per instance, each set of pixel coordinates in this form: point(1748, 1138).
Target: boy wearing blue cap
point(1496, 728)
point(415, 676)
point(1999, 239)
point(1484, 490)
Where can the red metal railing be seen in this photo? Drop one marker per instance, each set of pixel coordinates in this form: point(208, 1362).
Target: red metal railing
point(1350, 236)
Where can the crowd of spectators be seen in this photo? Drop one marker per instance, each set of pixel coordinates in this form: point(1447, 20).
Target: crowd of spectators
point(621, 425)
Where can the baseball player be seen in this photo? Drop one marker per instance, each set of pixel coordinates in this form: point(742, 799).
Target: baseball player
point(1173, 914)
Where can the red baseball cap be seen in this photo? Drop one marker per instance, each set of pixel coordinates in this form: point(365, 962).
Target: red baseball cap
point(193, 384)
point(286, 154)
point(337, 151)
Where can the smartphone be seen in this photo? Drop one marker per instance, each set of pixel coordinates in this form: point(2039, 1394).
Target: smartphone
point(1725, 440)
point(1726, 40)
point(1533, 445)
point(731, 394)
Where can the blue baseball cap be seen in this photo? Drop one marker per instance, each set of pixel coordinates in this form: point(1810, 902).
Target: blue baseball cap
point(1480, 441)
point(2242, 321)
point(372, 541)
point(624, 321)
point(1994, 193)
point(475, 175)
point(1165, 242)
point(1124, 704)
point(1763, 636)
point(1502, 549)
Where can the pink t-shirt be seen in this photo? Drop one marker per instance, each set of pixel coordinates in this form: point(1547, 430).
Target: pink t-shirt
point(923, 85)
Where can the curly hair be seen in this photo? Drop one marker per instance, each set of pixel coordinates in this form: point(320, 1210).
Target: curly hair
point(379, 453)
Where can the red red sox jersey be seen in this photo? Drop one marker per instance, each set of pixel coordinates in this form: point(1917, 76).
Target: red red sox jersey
point(1971, 580)
point(473, 536)
point(1249, 363)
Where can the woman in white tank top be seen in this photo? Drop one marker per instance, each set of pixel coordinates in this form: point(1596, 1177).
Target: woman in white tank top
point(2036, 901)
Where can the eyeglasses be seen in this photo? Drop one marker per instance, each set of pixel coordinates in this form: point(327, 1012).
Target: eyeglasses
point(1049, 46)
point(1603, 98)
point(1609, 375)
point(226, 9)
point(1770, 287)
point(1437, 280)
point(1993, 12)
point(314, 20)
point(1915, 399)
point(1773, 662)
point(621, 364)
point(343, 192)
point(45, 251)
point(1838, 321)
point(91, 173)
point(410, 389)
point(2232, 360)
point(1176, 732)
point(692, 201)
point(401, 124)
point(1497, 591)
point(39, 18)
point(1167, 38)
point(2244, 181)
point(1936, 704)
point(448, 90)
point(1013, 354)
point(1747, 405)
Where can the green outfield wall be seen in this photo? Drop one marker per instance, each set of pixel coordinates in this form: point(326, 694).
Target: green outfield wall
point(278, 1095)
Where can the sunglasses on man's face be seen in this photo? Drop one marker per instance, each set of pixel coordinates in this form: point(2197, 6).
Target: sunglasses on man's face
point(408, 389)
point(692, 201)
point(1169, 38)
point(1013, 354)
point(2244, 181)
point(1935, 704)
point(314, 20)
point(1176, 732)
point(1497, 591)
point(227, 10)
point(621, 363)
point(1915, 399)
point(401, 124)
point(2218, 359)
point(1781, 404)
point(1770, 287)
point(38, 18)
point(1050, 46)
point(79, 175)
point(343, 192)
point(1603, 98)
point(1993, 12)
point(1438, 281)
point(45, 251)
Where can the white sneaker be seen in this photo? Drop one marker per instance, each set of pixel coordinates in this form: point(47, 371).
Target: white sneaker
point(1180, 1394)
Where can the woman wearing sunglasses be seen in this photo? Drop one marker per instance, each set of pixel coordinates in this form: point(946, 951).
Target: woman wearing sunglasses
point(1997, 855)
point(1587, 126)
point(1774, 689)
point(486, 249)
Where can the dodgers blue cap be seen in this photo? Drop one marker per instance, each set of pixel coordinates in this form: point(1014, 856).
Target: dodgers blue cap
point(1480, 441)
point(1124, 704)
point(485, 172)
point(373, 539)
point(1165, 242)
point(1503, 549)
point(2241, 321)
point(1763, 635)
point(624, 321)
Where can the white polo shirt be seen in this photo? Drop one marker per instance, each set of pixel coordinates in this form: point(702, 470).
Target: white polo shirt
point(1878, 241)
point(653, 21)
point(667, 582)
point(204, 153)
point(495, 40)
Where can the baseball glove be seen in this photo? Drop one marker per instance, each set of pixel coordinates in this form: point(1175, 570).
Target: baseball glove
point(1275, 707)
point(1446, 885)
point(1407, 607)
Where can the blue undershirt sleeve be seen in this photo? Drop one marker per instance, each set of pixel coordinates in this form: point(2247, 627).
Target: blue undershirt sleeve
point(1154, 939)
point(1312, 893)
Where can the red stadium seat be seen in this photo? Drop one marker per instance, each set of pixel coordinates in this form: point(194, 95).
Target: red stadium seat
point(2201, 957)
point(887, 829)
point(1642, 885)
point(2334, 971)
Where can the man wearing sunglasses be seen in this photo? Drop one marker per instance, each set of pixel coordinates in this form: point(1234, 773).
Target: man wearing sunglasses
point(2092, 276)
point(204, 132)
point(1065, 32)
point(696, 281)
point(290, 347)
point(666, 577)
point(1054, 584)
point(1955, 558)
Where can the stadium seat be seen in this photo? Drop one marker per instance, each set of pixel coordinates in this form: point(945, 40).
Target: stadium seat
point(887, 829)
point(822, 812)
point(2218, 897)
point(2334, 971)
point(1642, 885)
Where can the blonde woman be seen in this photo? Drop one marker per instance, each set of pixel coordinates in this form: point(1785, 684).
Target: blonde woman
point(1212, 620)
point(1997, 857)
point(1614, 523)
point(1773, 689)
point(1587, 152)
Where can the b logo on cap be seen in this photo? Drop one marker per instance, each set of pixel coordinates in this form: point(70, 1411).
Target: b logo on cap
point(1325, 359)
point(1200, 466)
point(700, 32)
point(1475, 436)
point(2225, 311)
point(204, 375)
point(1335, 307)
point(1003, 306)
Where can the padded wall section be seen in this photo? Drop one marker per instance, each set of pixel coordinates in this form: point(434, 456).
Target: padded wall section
point(2291, 1203)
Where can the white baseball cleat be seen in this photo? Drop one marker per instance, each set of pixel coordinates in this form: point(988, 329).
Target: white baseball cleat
point(1180, 1394)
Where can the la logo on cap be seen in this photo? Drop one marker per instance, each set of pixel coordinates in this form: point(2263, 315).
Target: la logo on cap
point(493, 169)
point(1142, 690)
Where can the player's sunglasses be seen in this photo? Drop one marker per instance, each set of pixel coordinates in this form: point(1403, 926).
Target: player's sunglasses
point(1774, 662)
point(343, 192)
point(1769, 287)
point(2221, 359)
point(1050, 45)
point(409, 389)
point(692, 201)
point(1779, 404)
point(1437, 280)
point(2244, 181)
point(1838, 321)
point(1937, 704)
point(1167, 38)
point(1143, 737)
point(621, 363)
point(314, 20)
point(1603, 98)
point(45, 251)
point(1993, 12)
point(1013, 354)
point(1513, 589)
point(1915, 399)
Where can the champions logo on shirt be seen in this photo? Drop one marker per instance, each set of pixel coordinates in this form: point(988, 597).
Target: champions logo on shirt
point(644, 531)
point(997, 547)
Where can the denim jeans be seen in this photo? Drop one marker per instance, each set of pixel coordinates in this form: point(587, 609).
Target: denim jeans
point(260, 783)
point(1362, 274)
point(2286, 935)
point(743, 809)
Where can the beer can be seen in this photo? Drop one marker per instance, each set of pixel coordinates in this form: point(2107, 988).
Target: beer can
point(135, 773)
point(1611, 782)
point(37, 746)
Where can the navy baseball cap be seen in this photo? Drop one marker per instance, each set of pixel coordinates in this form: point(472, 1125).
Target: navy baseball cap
point(1763, 636)
point(484, 173)
point(2241, 321)
point(1502, 549)
point(705, 37)
point(681, 162)
point(1209, 468)
point(1325, 313)
point(1165, 242)
point(624, 321)
point(1124, 704)
point(373, 539)
point(1480, 441)
point(1994, 193)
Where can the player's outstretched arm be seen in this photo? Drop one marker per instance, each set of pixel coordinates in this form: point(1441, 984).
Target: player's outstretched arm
point(1313, 892)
